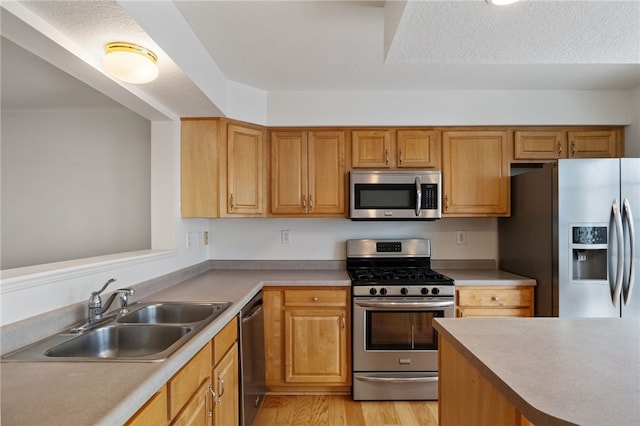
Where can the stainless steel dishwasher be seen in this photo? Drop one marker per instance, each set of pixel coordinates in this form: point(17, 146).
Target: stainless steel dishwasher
point(252, 361)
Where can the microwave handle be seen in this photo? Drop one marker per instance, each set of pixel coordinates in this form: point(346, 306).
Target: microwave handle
point(418, 195)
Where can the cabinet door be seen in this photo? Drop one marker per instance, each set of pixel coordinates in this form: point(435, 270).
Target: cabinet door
point(154, 412)
point(539, 145)
point(245, 171)
point(327, 174)
point(188, 380)
point(196, 412)
point(199, 168)
point(593, 144)
point(226, 383)
point(289, 173)
point(475, 173)
point(371, 149)
point(418, 148)
point(315, 346)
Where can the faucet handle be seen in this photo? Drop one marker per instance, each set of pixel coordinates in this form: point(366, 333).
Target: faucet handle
point(97, 293)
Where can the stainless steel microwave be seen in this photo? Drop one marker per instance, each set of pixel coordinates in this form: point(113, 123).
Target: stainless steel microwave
point(394, 194)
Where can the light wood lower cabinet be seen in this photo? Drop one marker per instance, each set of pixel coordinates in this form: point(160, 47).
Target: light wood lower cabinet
point(225, 377)
point(154, 412)
point(484, 301)
point(307, 339)
point(205, 392)
point(466, 397)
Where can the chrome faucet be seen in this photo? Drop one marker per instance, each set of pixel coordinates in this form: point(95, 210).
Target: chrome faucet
point(96, 309)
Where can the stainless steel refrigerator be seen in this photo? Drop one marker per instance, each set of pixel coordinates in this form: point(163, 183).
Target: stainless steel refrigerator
point(572, 229)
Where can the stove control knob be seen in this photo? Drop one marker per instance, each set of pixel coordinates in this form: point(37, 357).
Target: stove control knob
point(435, 290)
point(372, 291)
point(383, 291)
point(404, 290)
point(424, 290)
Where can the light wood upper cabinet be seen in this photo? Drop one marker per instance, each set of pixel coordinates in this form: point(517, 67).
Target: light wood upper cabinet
point(538, 145)
point(417, 149)
point(475, 173)
point(243, 177)
point(308, 173)
point(371, 149)
point(199, 168)
point(391, 148)
point(593, 144)
point(223, 168)
point(307, 348)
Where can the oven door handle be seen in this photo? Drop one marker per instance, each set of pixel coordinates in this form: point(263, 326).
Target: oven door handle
point(407, 305)
point(397, 379)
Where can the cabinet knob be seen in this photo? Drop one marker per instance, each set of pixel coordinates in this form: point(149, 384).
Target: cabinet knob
point(315, 299)
point(495, 298)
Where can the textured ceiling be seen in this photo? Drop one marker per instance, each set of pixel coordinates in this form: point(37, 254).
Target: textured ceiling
point(367, 45)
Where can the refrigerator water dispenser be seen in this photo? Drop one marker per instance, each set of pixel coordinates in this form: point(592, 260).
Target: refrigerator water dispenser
point(589, 253)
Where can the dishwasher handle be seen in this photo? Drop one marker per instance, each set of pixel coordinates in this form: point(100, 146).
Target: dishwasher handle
point(252, 311)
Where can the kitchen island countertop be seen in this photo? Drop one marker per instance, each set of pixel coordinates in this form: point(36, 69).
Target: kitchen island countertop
point(556, 371)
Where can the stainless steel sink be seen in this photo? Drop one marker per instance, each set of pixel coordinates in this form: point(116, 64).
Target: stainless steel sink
point(149, 331)
point(173, 313)
point(122, 342)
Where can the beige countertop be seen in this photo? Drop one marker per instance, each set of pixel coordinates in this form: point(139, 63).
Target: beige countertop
point(109, 393)
point(59, 393)
point(485, 277)
point(559, 371)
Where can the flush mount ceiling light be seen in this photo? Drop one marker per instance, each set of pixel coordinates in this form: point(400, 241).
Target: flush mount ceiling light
point(130, 63)
point(501, 2)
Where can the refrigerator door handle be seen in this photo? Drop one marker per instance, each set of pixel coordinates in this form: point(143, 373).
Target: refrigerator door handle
point(627, 217)
point(617, 289)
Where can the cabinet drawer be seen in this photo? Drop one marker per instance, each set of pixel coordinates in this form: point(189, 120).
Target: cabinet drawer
point(316, 298)
point(182, 386)
point(224, 340)
point(493, 297)
point(493, 312)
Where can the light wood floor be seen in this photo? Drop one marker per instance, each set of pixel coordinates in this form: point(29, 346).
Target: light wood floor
point(342, 410)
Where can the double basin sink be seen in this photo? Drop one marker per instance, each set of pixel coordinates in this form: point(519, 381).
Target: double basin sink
point(146, 332)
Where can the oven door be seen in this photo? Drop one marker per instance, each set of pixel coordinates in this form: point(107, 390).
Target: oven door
point(397, 334)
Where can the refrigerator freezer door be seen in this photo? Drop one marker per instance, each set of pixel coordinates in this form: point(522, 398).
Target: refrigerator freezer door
point(630, 194)
point(586, 270)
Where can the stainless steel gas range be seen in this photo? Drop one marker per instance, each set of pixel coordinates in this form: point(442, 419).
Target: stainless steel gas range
point(396, 296)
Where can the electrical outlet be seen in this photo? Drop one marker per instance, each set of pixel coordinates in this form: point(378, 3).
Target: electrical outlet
point(461, 237)
point(189, 240)
point(285, 236)
point(205, 238)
